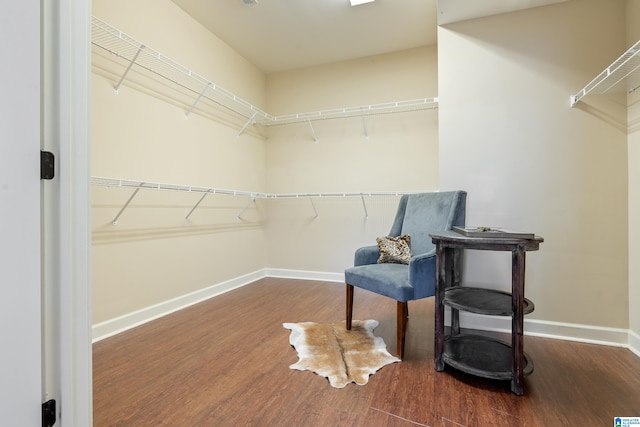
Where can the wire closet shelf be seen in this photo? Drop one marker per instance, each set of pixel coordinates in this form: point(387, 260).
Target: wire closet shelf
point(134, 52)
point(252, 195)
point(124, 183)
point(622, 73)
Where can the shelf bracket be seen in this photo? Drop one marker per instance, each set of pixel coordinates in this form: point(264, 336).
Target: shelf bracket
point(315, 138)
point(313, 205)
point(196, 205)
point(133, 61)
point(364, 205)
point(364, 124)
point(573, 100)
point(204, 89)
point(251, 121)
point(115, 220)
point(252, 200)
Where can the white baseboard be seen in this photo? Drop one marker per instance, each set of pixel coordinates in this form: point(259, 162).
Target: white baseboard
point(547, 329)
point(634, 342)
point(122, 323)
point(305, 275)
point(532, 327)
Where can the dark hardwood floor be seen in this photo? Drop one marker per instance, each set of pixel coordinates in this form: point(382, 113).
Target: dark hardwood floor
point(225, 362)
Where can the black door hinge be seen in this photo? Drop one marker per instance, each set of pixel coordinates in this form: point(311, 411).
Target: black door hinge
point(49, 413)
point(47, 163)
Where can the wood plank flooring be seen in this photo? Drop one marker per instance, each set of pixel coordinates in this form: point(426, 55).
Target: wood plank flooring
point(225, 362)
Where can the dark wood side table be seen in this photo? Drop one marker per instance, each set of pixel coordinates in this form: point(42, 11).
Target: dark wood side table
point(475, 354)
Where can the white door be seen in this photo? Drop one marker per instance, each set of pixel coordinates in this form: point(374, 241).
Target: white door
point(20, 297)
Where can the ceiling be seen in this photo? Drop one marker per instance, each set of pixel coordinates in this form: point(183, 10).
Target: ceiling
point(280, 35)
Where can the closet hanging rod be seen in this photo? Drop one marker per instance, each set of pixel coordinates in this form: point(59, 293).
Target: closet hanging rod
point(124, 183)
point(138, 185)
point(358, 111)
point(339, 195)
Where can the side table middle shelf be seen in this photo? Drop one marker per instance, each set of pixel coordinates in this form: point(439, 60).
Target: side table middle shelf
point(476, 354)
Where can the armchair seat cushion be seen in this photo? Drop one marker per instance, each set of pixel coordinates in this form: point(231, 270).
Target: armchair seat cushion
point(391, 280)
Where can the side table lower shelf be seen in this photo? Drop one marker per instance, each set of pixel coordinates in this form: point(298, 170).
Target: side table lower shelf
point(482, 356)
point(483, 301)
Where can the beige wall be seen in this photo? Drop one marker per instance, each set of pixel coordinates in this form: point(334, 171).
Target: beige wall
point(400, 154)
point(344, 159)
point(633, 102)
point(153, 255)
point(530, 162)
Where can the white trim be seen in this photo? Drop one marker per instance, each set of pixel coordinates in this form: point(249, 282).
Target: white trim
point(305, 275)
point(634, 342)
point(616, 337)
point(67, 75)
point(122, 323)
point(127, 321)
point(548, 329)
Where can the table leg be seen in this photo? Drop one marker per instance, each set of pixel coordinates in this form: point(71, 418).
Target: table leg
point(441, 282)
point(455, 275)
point(517, 326)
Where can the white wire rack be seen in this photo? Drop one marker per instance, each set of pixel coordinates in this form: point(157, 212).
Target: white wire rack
point(134, 52)
point(125, 183)
point(252, 195)
point(363, 110)
point(622, 73)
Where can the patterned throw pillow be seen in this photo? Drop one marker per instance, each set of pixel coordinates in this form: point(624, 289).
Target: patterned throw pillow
point(394, 249)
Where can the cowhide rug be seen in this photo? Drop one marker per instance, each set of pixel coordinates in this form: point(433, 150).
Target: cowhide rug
point(342, 356)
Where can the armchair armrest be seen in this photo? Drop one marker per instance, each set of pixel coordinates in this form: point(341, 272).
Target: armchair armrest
point(366, 255)
point(422, 274)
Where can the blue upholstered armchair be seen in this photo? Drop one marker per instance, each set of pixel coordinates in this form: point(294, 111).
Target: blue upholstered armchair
point(417, 216)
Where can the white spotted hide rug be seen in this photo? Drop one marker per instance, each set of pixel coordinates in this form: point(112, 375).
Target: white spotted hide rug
point(342, 356)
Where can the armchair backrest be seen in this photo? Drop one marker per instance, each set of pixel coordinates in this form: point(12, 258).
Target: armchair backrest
point(424, 213)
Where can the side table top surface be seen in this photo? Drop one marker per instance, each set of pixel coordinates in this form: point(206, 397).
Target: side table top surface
point(454, 237)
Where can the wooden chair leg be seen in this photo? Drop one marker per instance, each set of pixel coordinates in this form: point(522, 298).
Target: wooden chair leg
point(349, 305)
point(401, 327)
